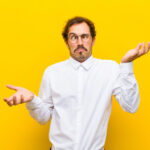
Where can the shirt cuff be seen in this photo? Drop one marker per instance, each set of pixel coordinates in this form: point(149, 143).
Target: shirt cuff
point(35, 101)
point(126, 67)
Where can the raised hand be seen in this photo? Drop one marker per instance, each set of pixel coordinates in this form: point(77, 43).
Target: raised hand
point(22, 95)
point(135, 53)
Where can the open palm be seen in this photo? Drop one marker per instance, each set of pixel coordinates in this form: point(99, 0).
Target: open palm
point(22, 95)
point(135, 53)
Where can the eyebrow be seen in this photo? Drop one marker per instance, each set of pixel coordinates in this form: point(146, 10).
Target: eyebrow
point(76, 34)
point(72, 33)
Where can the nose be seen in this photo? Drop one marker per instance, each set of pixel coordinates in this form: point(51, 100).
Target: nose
point(79, 42)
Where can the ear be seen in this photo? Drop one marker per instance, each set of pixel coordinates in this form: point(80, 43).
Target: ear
point(93, 41)
point(67, 44)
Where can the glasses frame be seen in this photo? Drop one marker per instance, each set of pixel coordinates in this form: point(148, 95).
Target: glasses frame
point(77, 37)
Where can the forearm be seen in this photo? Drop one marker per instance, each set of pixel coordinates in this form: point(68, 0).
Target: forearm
point(127, 91)
point(39, 110)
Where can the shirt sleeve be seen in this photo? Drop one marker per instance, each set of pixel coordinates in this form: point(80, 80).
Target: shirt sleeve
point(126, 89)
point(41, 106)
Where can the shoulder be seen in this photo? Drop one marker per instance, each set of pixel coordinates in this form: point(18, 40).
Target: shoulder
point(108, 67)
point(56, 67)
point(106, 63)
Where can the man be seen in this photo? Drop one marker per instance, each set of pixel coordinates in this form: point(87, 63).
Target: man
point(77, 93)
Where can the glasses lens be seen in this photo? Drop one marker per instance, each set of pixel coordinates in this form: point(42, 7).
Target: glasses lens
point(85, 37)
point(73, 38)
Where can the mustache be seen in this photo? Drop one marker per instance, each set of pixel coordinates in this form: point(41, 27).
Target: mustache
point(80, 46)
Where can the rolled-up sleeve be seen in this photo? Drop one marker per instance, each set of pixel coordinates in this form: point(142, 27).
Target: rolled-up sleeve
point(125, 88)
point(41, 106)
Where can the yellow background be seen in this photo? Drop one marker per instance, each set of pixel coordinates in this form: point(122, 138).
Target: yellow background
point(30, 41)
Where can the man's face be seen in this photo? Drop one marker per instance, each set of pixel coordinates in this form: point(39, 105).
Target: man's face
point(80, 41)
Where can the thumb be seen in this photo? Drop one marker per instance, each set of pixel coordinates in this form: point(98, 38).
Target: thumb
point(12, 87)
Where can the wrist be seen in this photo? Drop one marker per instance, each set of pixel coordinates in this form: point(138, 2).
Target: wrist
point(126, 61)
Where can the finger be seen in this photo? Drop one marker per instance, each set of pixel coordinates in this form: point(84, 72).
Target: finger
point(5, 99)
point(16, 100)
point(148, 44)
point(12, 87)
point(148, 47)
point(143, 47)
point(10, 98)
point(139, 46)
point(141, 51)
point(22, 99)
point(10, 103)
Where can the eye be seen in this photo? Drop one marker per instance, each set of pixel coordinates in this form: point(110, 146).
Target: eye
point(73, 37)
point(85, 36)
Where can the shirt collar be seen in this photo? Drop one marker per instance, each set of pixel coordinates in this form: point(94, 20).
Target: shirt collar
point(86, 64)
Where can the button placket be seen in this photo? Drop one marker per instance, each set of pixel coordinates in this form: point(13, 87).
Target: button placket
point(79, 101)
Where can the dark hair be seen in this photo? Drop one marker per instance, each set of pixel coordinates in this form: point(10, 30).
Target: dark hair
point(78, 20)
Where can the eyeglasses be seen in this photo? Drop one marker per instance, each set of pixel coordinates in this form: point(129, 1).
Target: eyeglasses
point(73, 38)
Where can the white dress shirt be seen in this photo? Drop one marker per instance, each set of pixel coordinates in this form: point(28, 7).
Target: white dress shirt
point(77, 97)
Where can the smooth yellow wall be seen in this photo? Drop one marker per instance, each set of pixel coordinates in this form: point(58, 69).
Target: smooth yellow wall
point(30, 41)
